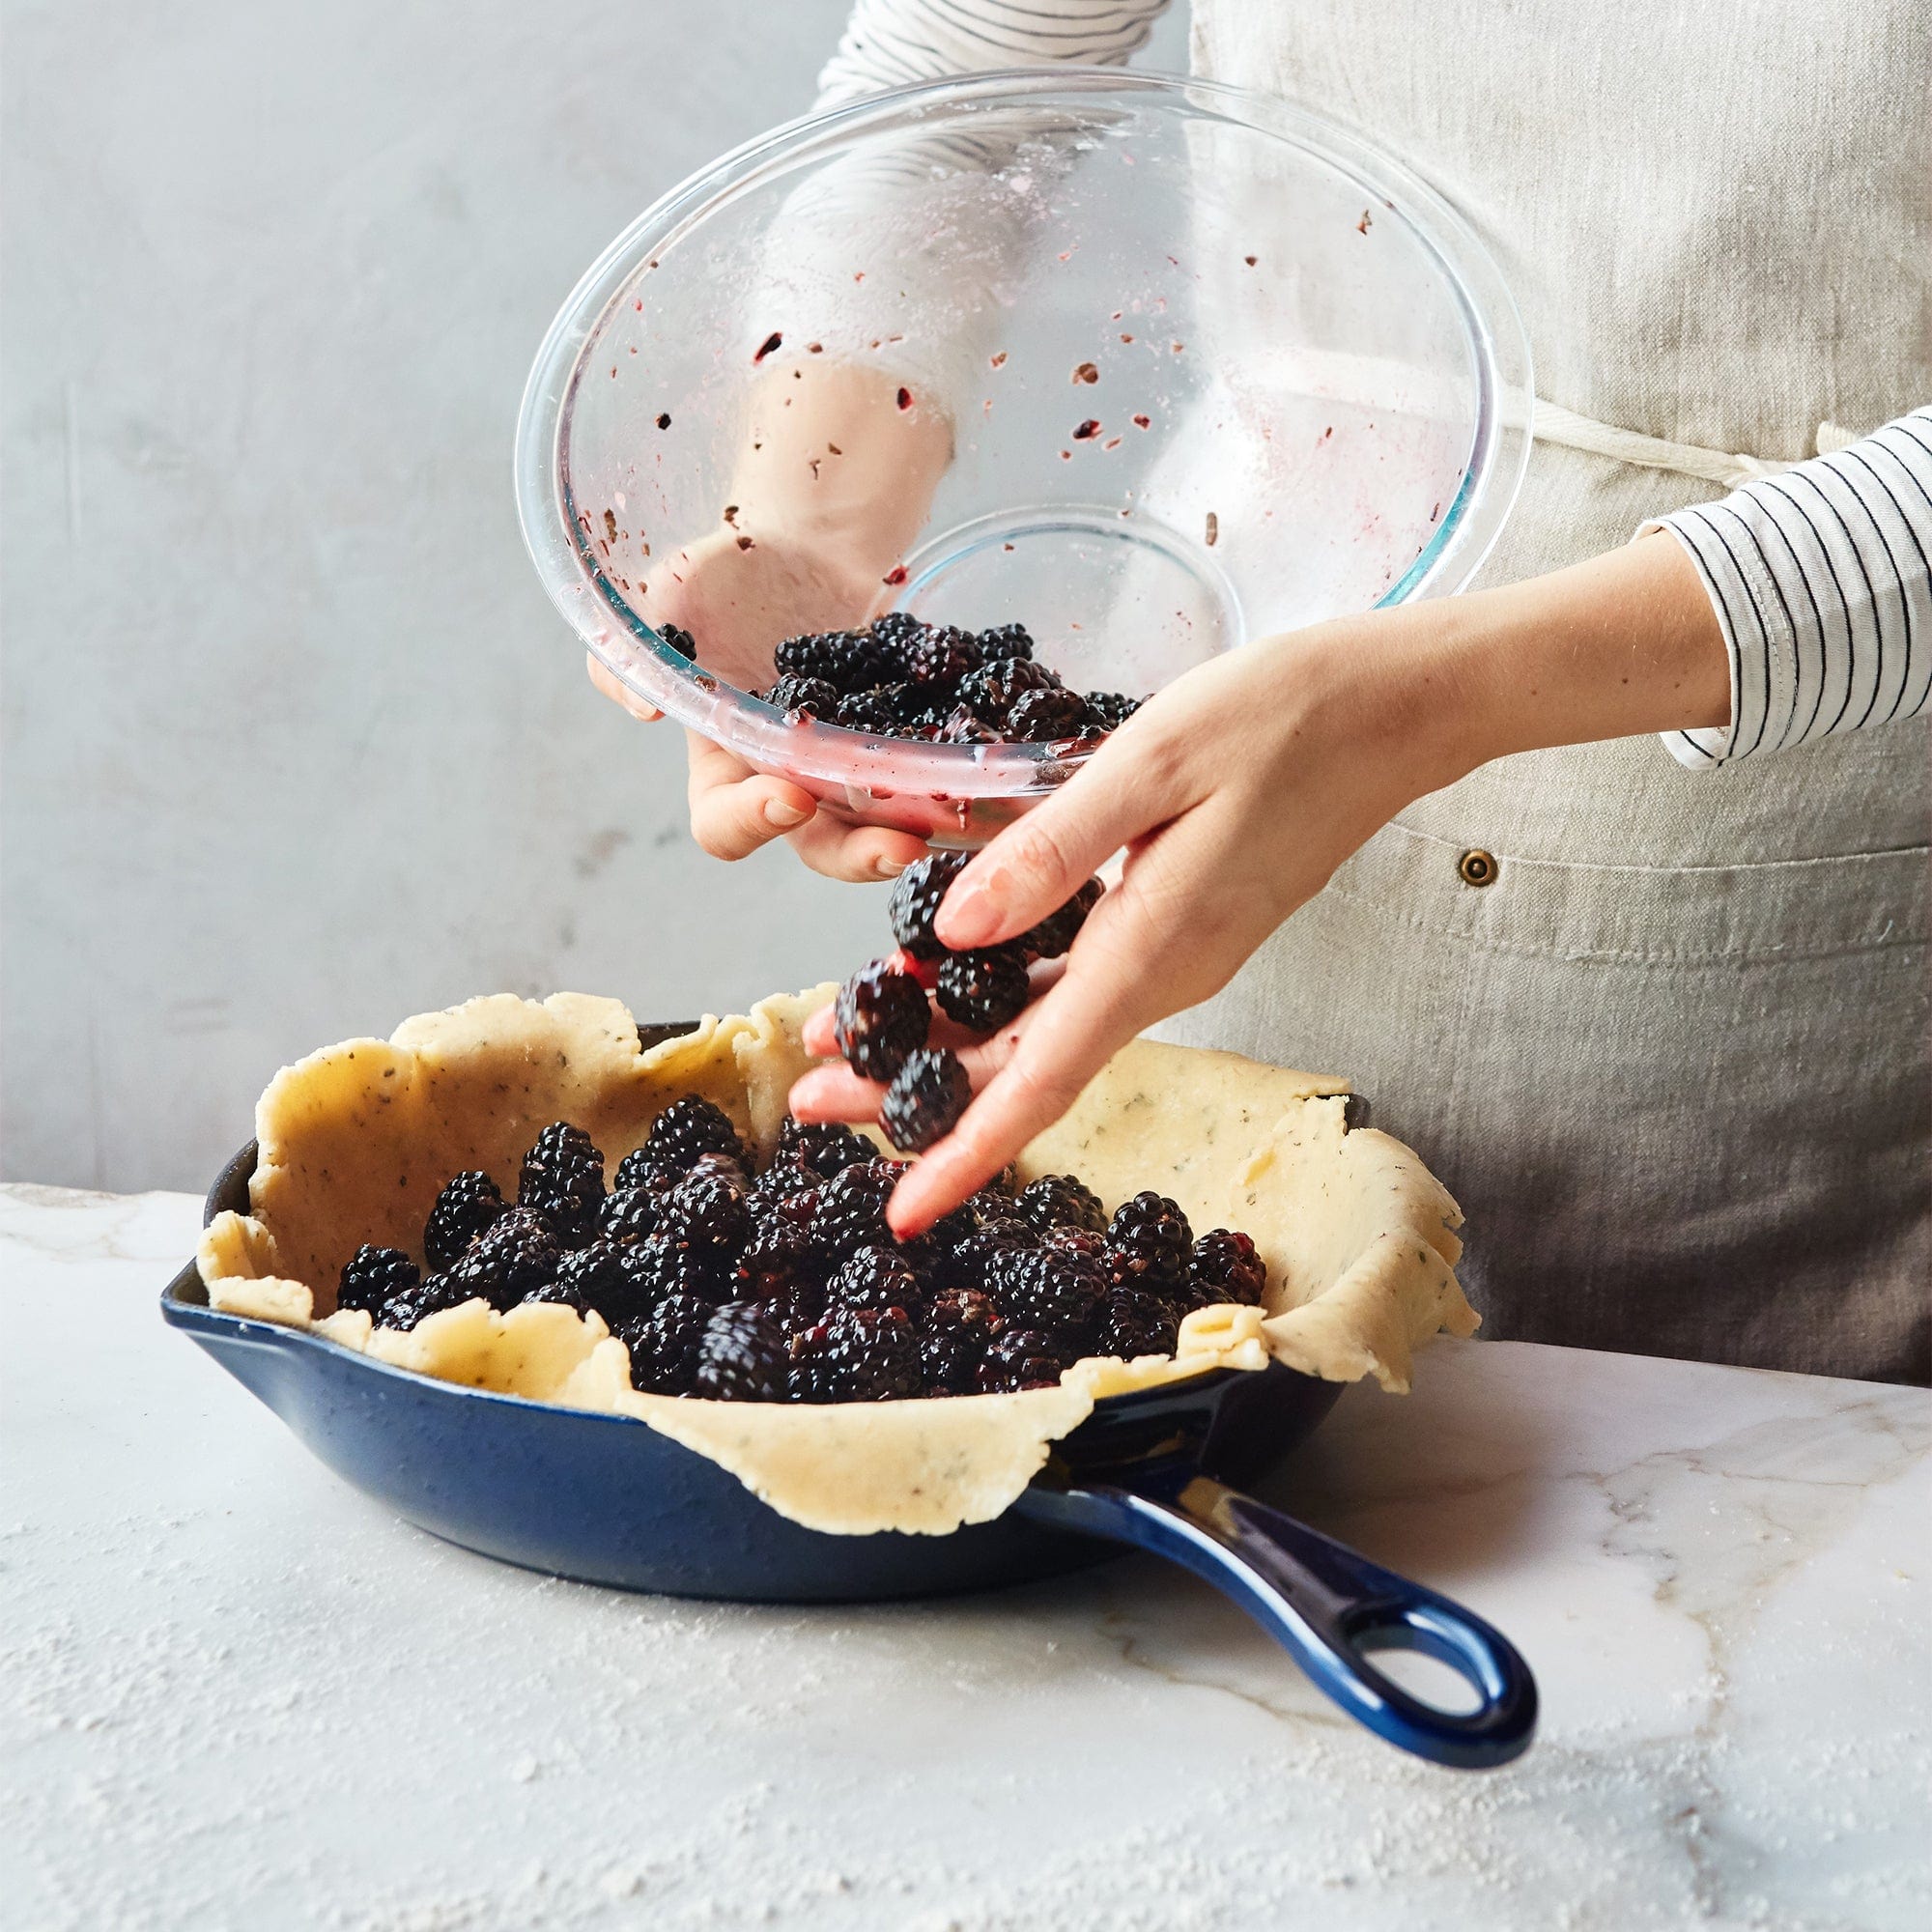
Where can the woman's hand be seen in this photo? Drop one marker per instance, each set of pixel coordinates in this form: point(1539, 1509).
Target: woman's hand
point(1237, 791)
point(831, 487)
point(735, 600)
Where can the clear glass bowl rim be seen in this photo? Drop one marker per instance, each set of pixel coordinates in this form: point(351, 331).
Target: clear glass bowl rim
point(591, 604)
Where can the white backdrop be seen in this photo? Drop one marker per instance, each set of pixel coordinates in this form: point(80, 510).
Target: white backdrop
point(295, 746)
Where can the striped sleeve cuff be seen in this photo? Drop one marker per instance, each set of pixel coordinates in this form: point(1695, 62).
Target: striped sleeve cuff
point(891, 42)
point(1821, 582)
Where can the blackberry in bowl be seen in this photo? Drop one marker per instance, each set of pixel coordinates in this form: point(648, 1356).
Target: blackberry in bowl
point(1053, 307)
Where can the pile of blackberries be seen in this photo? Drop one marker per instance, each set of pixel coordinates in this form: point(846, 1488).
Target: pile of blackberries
point(882, 1014)
point(901, 678)
point(786, 1285)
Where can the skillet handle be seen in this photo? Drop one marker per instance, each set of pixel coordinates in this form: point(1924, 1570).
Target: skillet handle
point(1328, 1606)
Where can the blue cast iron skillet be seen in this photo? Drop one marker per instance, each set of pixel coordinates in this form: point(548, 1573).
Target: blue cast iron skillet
point(606, 1499)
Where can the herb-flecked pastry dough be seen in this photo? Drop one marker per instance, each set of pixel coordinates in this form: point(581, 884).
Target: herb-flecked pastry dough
point(355, 1142)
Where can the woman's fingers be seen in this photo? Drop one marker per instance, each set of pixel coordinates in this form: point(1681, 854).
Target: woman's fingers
point(733, 809)
point(835, 1092)
point(858, 854)
point(617, 692)
point(1039, 864)
point(815, 1036)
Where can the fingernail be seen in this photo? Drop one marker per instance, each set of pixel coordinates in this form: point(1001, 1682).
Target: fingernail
point(887, 868)
point(971, 915)
point(782, 813)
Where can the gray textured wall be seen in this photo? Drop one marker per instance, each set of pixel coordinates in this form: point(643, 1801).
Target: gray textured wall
point(294, 745)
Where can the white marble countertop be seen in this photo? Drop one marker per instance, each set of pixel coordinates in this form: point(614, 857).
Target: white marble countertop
point(238, 1694)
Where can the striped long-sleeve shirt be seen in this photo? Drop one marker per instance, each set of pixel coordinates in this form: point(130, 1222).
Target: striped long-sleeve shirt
point(1821, 575)
point(1822, 579)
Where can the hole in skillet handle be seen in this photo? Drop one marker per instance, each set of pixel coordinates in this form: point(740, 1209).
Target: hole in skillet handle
point(1441, 1685)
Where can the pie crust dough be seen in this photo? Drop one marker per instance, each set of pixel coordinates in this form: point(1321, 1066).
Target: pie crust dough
point(354, 1143)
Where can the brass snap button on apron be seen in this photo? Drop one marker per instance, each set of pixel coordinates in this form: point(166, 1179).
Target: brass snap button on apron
point(1477, 866)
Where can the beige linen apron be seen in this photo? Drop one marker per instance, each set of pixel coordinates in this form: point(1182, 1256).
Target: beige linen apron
point(1672, 1059)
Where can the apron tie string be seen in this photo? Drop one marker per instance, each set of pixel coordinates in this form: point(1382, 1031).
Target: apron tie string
point(1566, 428)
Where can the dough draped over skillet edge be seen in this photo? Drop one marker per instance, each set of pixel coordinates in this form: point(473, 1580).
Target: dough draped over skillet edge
point(355, 1140)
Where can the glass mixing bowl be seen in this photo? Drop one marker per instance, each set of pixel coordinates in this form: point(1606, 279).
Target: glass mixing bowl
point(1191, 366)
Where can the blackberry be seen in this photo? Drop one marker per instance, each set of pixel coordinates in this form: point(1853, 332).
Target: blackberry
point(784, 1181)
point(967, 728)
point(1134, 1323)
point(927, 1095)
point(859, 1354)
point(437, 1292)
point(706, 1213)
point(1006, 641)
point(775, 1259)
point(914, 903)
point(1000, 1222)
point(804, 698)
point(874, 1277)
point(897, 635)
point(1018, 1358)
point(850, 1211)
point(519, 1253)
point(846, 660)
point(943, 657)
point(630, 1214)
point(1112, 709)
point(950, 1229)
point(958, 1326)
point(827, 1146)
point(880, 710)
point(1059, 929)
point(1044, 1289)
point(1060, 1201)
point(664, 1344)
point(880, 1016)
point(468, 1206)
point(929, 719)
point(687, 1129)
point(1040, 716)
point(638, 1172)
point(1081, 1244)
point(796, 1310)
point(594, 1276)
point(718, 1166)
point(983, 991)
point(1149, 1244)
point(658, 1268)
point(402, 1312)
point(1225, 1267)
point(678, 637)
point(974, 1260)
point(996, 686)
point(373, 1275)
point(563, 1180)
point(799, 1206)
point(740, 1358)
